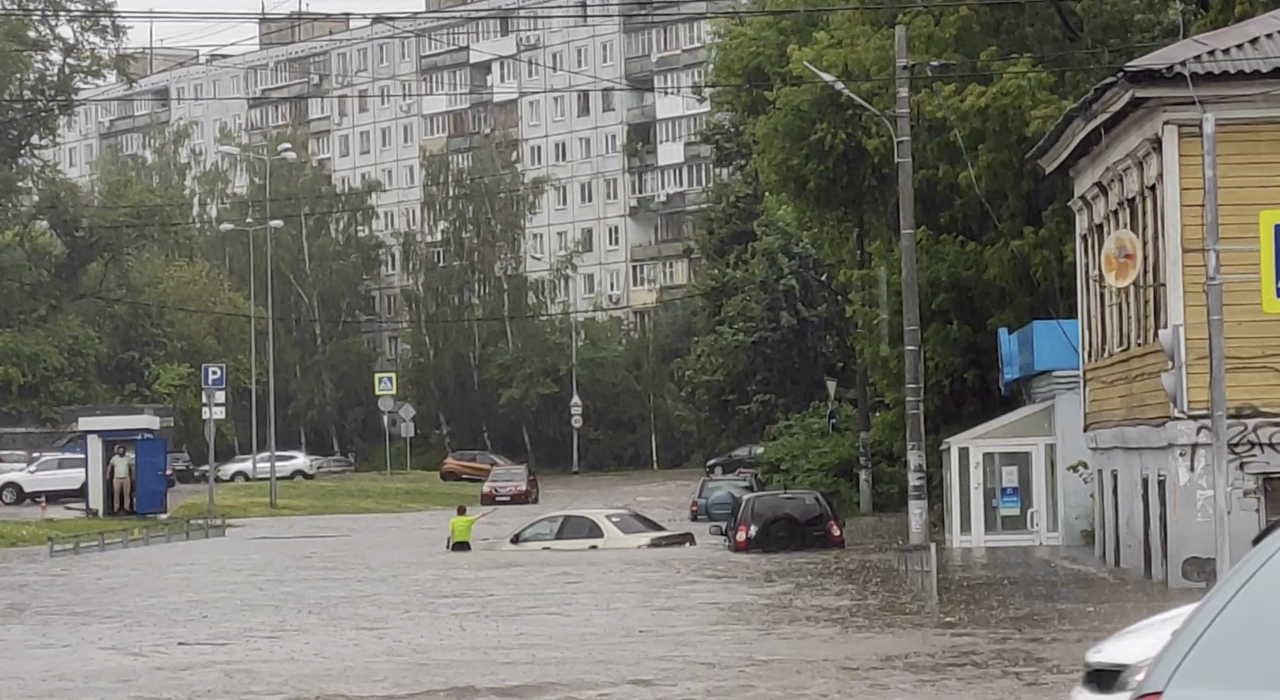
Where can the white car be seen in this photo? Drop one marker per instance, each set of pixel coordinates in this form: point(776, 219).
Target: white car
point(1113, 667)
point(289, 465)
point(50, 477)
point(589, 529)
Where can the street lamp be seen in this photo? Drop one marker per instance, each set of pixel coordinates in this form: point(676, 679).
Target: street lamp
point(913, 354)
point(286, 153)
point(228, 227)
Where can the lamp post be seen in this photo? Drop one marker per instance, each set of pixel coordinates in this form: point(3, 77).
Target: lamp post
point(283, 152)
point(249, 228)
point(913, 354)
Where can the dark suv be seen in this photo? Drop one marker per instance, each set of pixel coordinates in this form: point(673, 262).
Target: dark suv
point(783, 521)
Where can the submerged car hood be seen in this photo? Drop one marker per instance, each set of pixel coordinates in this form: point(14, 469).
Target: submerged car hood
point(1139, 641)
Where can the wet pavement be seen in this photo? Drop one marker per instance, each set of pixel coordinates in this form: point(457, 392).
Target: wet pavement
point(373, 607)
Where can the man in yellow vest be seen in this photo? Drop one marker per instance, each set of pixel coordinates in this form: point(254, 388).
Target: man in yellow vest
point(460, 530)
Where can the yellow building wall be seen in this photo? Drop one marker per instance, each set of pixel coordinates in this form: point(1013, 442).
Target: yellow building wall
point(1125, 388)
point(1248, 182)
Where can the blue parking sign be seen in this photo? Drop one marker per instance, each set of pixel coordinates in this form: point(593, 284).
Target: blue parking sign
point(213, 376)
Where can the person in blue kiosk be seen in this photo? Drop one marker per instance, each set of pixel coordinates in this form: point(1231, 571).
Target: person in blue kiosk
point(120, 472)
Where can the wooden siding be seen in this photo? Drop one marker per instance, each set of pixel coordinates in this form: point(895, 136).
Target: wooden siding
point(1248, 182)
point(1126, 388)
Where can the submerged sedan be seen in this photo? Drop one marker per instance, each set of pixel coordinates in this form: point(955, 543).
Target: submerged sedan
point(589, 529)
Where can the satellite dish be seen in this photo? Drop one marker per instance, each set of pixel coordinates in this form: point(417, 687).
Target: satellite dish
point(1121, 258)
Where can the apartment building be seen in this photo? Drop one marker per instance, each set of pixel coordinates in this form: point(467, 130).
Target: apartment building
point(604, 99)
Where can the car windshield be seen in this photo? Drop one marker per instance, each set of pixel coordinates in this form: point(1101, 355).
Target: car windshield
point(738, 487)
point(499, 459)
point(634, 523)
point(507, 474)
point(805, 507)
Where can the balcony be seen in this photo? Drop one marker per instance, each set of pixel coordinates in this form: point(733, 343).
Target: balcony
point(136, 122)
point(661, 250)
point(678, 201)
point(641, 114)
point(642, 205)
point(298, 87)
point(696, 150)
point(434, 62)
point(638, 72)
point(641, 155)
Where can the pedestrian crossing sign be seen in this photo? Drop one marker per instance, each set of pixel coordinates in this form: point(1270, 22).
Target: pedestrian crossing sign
point(384, 384)
point(1269, 259)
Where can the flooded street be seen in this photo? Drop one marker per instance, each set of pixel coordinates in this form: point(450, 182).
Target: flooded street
point(372, 607)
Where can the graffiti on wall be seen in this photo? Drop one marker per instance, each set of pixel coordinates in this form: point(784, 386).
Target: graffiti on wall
point(1252, 445)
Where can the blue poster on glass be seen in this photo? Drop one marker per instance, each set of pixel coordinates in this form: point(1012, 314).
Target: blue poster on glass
point(1010, 500)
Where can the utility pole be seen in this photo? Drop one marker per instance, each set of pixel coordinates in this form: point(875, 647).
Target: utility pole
point(865, 504)
point(1217, 354)
point(913, 353)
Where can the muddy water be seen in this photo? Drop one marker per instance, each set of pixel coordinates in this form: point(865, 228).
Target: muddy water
point(372, 607)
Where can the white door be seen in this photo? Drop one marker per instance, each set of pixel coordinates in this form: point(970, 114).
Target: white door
point(1009, 492)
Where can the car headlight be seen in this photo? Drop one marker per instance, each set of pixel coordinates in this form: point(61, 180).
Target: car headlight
point(1133, 677)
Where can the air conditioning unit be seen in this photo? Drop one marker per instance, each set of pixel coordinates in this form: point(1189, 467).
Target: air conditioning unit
point(406, 107)
point(615, 298)
point(661, 197)
point(315, 78)
point(529, 40)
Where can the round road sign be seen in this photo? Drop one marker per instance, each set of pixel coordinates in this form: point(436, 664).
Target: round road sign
point(386, 403)
point(576, 422)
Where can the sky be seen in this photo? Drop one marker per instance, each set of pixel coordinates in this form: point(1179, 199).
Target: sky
point(233, 37)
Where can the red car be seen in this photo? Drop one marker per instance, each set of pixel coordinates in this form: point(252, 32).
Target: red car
point(510, 484)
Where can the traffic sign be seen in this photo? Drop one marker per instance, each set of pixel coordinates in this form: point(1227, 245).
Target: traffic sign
point(576, 422)
point(1269, 259)
point(407, 412)
point(213, 376)
point(408, 429)
point(575, 406)
point(384, 384)
point(831, 389)
point(386, 403)
point(213, 412)
point(217, 397)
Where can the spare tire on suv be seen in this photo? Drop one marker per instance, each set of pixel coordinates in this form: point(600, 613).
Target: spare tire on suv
point(784, 521)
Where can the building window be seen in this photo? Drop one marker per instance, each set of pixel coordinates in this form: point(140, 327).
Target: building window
point(532, 69)
point(404, 50)
point(694, 34)
point(613, 237)
point(641, 275)
point(384, 95)
point(362, 60)
point(384, 54)
point(586, 240)
point(537, 244)
point(384, 138)
point(561, 194)
point(388, 221)
point(388, 178)
point(435, 126)
point(557, 62)
point(562, 242)
point(611, 189)
point(362, 101)
point(535, 156)
point(533, 110)
point(584, 147)
point(560, 152)
point(506, 71)
point(613, 281)
point(611, 143)
point(588, 284)
point(606, 53)
point(581, 57)
point(365, 143)
point(607, 100)
point(406, 133)
point(410, 175)
point(557, 107)
point(586, 193)
point(584, 103)
point(344, 146)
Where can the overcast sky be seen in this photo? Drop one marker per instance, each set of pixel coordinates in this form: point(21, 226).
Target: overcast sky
point(236, 37)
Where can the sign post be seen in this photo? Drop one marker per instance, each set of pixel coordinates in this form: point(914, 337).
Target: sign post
point(831, 405)
point(213, 408)
point(575, 421)
point(407, 431)
point(384, 387)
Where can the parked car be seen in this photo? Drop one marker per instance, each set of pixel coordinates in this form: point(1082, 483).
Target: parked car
point(184, 471)
point(50, 477)
point(336, 464)
point(715, 497)
point(510, 485)
point(289, 465)
point(1224, 647)
point(744, 457)
point(782, 521)
point(590, 529)
point(472, 465)
point(14, 460)
point(1110, 665)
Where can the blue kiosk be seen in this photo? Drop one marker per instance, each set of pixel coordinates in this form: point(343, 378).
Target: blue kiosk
point(139, 435)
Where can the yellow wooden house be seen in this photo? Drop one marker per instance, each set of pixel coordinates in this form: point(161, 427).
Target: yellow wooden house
point(1132, 148)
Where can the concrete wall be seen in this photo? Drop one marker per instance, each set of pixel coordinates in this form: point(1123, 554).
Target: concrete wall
point(1076, 492)
point(1179, 452)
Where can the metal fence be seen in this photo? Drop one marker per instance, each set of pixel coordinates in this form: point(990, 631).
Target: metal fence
point(138, 535)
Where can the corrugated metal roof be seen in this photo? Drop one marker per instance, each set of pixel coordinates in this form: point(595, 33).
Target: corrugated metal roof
point(1252, 46)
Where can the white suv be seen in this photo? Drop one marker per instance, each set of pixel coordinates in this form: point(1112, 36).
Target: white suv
point(289, 465)
point(50, 477)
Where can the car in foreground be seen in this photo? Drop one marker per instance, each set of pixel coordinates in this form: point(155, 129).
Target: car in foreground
point(472, 465)
point(510, 485)
point(573, 530)
point(1111, 665)
point(289, 465)
point(716, 497)
point(782, 521)
point(1224, 650)
point(741, 458)
point(49, 477)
